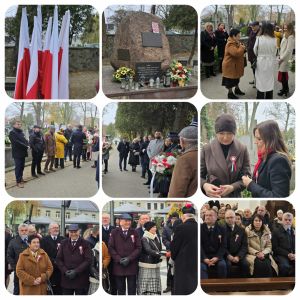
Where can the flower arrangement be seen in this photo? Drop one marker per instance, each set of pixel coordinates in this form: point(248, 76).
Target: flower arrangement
point(179, 73)
point(164, 163)
point(123, 72)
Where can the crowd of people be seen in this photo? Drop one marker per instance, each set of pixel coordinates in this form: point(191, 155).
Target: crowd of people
point(269, 49)
point(77, 144)
point(132, 257)
point(52, 264)
point(242, 243)
point(183, 180)
point(225, 164)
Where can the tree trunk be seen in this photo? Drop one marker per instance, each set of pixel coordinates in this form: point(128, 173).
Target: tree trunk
point(247, 118)
point(22, 111)
point(194, 45)
point(178, 114)
point(216, 16)
point(104, 36)
point(288, 107)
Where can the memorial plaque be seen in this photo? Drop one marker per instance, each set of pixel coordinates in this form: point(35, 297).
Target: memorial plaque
point(150, 39)
point(183, 62)
point(124, 54)
point(147, 70)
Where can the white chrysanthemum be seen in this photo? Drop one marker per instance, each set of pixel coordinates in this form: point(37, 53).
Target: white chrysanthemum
point(171, 160)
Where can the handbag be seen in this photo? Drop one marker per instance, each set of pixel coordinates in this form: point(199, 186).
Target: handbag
point(49, 287)
point(105, 280)
point(254, 63)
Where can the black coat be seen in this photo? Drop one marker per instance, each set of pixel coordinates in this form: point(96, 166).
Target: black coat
point(51, 248)
point(123, 149)
point(77, 139)
point(92, 241)
point(184, 251)
point(282, 243)
point(251, 43)
point(72, 258)
point(207, 55)
point(68, 134)
point(274, 175)
point(37, 143)
point(19, 144)
point(167, 234)
point(221, 40)
point(134, 160)
point(237, 242)
point(15, 247)
point(106, 234)
point(143, 153)
point(140, 232)
point(150, 251)
point(213, 244)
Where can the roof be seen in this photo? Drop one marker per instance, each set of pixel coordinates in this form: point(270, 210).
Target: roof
point(42, 220)
point(82, 219)
point(164, 211)
point(75, 205)
point(129, 208)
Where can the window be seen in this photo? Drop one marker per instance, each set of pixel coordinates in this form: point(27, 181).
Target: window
point(162, 206)
point(155, 206)
point(93, 216)
point(138, 204)
point(67, 215)
point(48, 213)
point(149, 206)
point(57, 214)
point(38, 213)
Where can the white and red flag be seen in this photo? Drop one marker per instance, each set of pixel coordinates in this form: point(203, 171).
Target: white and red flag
point(23, 59)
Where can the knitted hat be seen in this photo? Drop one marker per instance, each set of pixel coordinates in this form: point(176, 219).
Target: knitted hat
point(149, 225)
point(225, 122)
point(189, 132)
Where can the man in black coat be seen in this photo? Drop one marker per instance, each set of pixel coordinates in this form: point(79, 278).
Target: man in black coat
point(213, 246)
point(123, 149)
point(106, 231)
point(247, 218)
point(283, 245)
point(68, 147)
point(15, 247)
point(77, 140)
point(237, 245)
point(37, 145)
point(74, 258)
point(184, 252)
point(144, 156)
point(51, 244)
point(19, 146)
point(93, 239)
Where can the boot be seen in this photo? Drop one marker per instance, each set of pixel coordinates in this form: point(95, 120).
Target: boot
point(232, 96)
point(237, 91)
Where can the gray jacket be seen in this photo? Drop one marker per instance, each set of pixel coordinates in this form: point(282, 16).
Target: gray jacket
point(155, 147)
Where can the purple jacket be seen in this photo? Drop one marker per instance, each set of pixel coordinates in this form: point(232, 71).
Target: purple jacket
point(120, 246)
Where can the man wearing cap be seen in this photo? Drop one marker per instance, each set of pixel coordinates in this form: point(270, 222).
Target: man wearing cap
point(184, 252)
point(224, 161)
point(77, 139)
point(125, 247)
point(19, 146)
point(74, 258)
point(37, 145)
point(184, 180)
point(50, 148)
point(251, 42)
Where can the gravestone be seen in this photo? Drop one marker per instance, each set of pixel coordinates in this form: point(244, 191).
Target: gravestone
point(140, 43)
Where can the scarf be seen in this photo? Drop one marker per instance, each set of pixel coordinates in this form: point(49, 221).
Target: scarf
point(149, 235)
point(260, 156)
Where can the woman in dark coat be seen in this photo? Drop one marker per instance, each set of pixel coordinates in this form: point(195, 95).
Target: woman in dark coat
point(221, 40)
point(134, 155)
point(208, 44)
point(149, 282)
point(272, 172)
point(224, 161)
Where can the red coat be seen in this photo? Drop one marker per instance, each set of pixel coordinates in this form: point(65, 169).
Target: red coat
point(78, 258)
point(120, 246)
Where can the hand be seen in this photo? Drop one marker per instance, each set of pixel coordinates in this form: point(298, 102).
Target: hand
point(37, 281)
point(214, 260)
point(226, 190)
point(206, 261)
point(70, 274)
point(230, 258)
point(260, 255)
point(212, 48)
point(124, 261)
point(168, 254)
point(212, 190)
point(246, 180)
point(236, 259)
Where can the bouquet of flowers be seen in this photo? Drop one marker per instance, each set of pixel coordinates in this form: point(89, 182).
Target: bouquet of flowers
point(179, 73)
point(123, 72)
point(164, 163)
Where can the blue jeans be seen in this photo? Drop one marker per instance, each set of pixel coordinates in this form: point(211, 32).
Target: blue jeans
point(220, 266)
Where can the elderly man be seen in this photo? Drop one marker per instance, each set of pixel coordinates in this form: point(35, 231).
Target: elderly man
point(155, 147)
point(124, 247)
point(247, 218)
point(68, 147)
point(184, 252)
point(144, 218)
point(283, 245)
point(184, 180)
point(213, 246)
point(50, 148)
point(19, 146)
point(74, 259)
point(15, 247)
point(262, 211)
point(51, 244)
point(237, 245)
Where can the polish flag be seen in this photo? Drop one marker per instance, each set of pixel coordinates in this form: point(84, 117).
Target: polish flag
point(51, 64)
point(33, 83)
point(40, 44)
point(46, 52)
point(23, 59)
point(63, 82)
